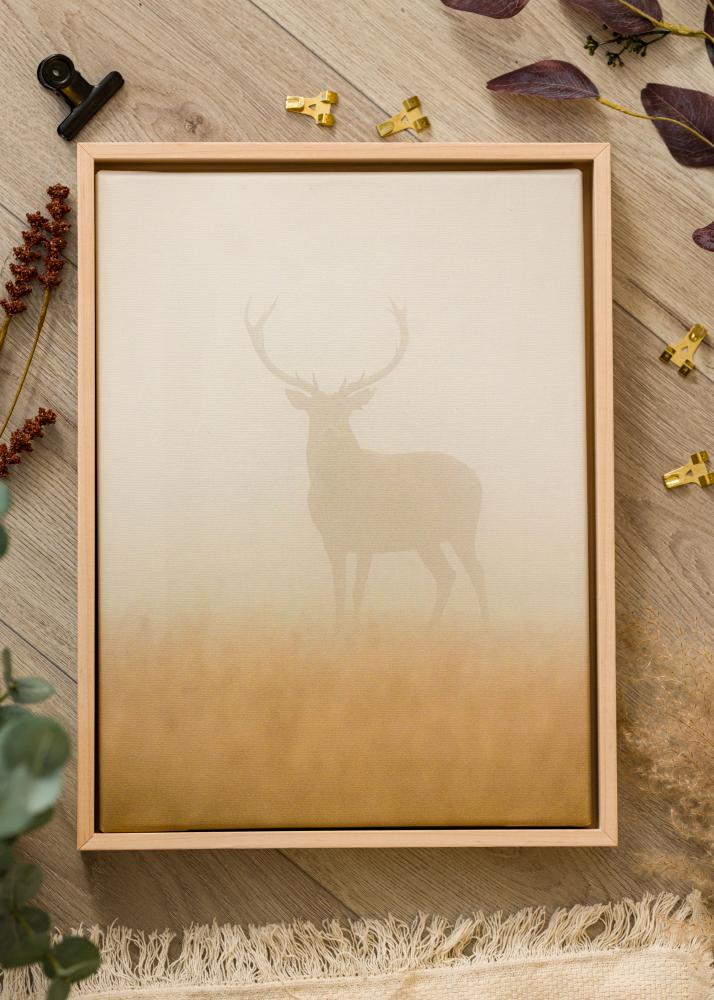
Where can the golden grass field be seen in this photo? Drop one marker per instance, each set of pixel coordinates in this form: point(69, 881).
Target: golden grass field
point(258, 729)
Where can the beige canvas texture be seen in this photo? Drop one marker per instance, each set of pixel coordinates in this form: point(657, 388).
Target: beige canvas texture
point(342, 500)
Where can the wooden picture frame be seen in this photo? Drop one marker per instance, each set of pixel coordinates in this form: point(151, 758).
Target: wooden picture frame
point(593, 161)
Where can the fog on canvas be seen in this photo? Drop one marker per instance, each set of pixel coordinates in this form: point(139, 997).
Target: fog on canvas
point(204, 478)
point(205, 538)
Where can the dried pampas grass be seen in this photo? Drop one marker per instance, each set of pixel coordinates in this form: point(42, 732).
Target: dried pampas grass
point(668, 732)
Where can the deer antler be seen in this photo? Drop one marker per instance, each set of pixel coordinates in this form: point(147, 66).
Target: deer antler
point(363, 381)
point(257, 336)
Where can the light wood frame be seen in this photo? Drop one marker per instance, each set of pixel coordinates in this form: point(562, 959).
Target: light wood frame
point(593, 159)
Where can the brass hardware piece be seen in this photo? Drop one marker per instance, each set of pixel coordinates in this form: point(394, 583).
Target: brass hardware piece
point(409, 117)
point(316, 107)
point(695, 471)
point(681, 354)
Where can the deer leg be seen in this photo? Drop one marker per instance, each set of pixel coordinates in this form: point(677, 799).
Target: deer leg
point(444, 574)
point(467, 554)
point(337, 562)
point(364, 561)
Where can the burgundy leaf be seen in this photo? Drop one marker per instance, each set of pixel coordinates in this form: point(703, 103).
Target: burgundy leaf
point(695, 109)
point(559, 81)
point(709, 28)
point(490, 8)
point(620, 18)
point(704, 237)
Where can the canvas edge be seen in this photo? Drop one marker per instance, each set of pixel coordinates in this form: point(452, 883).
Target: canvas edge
point(90, 156)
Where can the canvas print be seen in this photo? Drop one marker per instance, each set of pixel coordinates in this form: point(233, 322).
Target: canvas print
point(342, 500)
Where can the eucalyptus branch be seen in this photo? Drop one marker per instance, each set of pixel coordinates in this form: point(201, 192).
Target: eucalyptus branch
point(36, 750)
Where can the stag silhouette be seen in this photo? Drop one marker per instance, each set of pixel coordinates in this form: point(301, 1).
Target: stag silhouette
point(365, 502)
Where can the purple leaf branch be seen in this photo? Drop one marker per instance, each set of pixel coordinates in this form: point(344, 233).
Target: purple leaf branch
point(627, 19)
point(684, 118)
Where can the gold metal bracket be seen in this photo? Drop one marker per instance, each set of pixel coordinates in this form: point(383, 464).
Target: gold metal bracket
point(316, 107)
point(409, 117)
point(695, 471)
point(681, 354)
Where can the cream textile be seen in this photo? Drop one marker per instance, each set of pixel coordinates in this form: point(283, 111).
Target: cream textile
point(653, 949)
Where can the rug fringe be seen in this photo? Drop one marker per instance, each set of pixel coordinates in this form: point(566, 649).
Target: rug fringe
point(221, 955)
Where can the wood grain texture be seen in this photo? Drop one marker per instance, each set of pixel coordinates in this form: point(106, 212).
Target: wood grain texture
point(220, 71)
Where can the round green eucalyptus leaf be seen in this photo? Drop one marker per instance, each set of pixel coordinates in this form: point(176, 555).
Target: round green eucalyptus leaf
point(7, 858)
point(4, 499)
point(8, 933)
point(42, 793)
point(75, 958)
point(14, 818)
point(23, 880)
point(17, 886)
point(29, 744)
point(39, 743)
point(10, 712)
point(24, 936)
point(3, 541)
point(35, 918)
point(30, 690)
point(24, 798)
point(40, 818)
point(29, 949)
point(59, 989)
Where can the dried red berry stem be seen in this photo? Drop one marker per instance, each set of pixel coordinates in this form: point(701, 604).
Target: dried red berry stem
point(23, 271)
point(43, 234)
point(38, 330)
point(50, 234)
point(21, 439)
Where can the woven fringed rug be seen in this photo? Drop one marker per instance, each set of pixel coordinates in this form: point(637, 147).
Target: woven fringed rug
point(654, 949)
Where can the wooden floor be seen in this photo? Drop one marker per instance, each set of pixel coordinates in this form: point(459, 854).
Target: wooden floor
point(219, 70)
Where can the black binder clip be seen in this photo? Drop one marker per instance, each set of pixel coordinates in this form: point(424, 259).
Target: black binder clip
point(58, 73)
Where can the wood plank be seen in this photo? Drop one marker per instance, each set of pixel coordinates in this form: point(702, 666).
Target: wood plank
point(221, 73)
